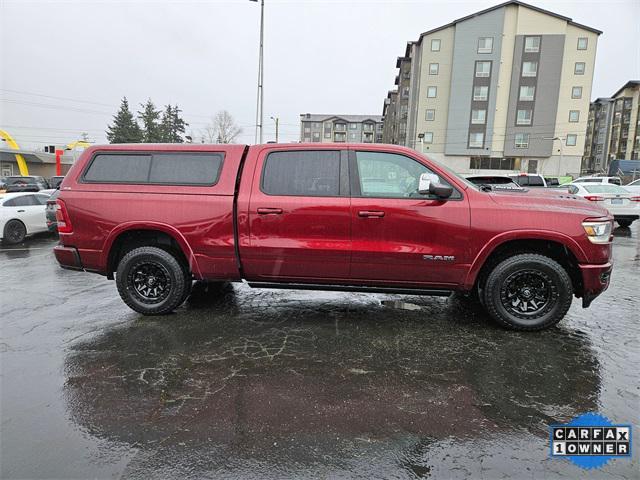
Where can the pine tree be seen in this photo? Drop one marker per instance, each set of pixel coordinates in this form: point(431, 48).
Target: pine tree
point(124, 128)
point(172, 125)
point(150, 118)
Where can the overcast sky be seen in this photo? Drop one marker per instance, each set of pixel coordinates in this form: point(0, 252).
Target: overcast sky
point(65, 65)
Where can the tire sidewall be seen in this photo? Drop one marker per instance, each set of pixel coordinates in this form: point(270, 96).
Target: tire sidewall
point(8, 226)
point(173, 269)
point(560, 284)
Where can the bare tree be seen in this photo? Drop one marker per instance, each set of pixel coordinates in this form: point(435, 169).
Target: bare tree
point(222, 129)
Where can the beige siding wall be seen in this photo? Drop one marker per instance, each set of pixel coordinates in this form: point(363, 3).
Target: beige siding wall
point(442, 81)
point(568, 80)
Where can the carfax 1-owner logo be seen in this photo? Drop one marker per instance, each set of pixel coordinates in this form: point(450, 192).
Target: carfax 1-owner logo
point(590, 440)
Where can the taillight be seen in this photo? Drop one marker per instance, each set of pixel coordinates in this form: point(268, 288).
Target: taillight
point(635, 199)
point(62, 217)
point(594, 198)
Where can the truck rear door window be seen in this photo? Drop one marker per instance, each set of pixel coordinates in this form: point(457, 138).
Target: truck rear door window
point(171, 168)
point(313, 173)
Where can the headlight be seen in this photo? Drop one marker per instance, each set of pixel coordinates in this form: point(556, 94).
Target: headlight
point(598, 232)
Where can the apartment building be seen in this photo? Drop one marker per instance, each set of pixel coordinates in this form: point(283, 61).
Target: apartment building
point(625, 131)
point(596, 146)
point(613, 130)
point(341, 128)
point(503, 89)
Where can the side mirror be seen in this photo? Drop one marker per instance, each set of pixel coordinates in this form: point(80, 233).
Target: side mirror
point(430, 185)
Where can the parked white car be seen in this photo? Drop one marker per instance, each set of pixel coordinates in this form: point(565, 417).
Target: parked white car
point(601, 180)
point(22, 214)
point(633, 187)
point(623, 205)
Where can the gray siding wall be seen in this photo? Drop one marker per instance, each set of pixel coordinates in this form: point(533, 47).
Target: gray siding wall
point(545, 107)
point(465, 54)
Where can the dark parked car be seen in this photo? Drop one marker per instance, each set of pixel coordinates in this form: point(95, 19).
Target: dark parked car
point(26, 184)
point(54, 182)
point(50, 212)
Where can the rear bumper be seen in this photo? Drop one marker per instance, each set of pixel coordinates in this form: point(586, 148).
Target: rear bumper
point(68, 257)
point(595, 280)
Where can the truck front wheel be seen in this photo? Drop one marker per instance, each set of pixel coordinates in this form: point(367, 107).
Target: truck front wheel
point(528, 292)
point(151, 281)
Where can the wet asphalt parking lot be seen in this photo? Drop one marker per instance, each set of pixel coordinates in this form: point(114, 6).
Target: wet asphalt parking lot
point(292, 384)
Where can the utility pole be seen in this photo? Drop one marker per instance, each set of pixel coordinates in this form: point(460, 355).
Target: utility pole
point(260, 99)
point(277, 120)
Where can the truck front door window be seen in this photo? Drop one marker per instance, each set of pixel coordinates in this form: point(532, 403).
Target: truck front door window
point(388, 175)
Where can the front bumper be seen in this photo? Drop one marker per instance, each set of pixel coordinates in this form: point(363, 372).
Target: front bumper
point(595, 280)
point(68, 257)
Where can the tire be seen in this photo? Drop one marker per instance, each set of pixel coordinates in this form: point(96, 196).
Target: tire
point(14, 232)
point(624, 223)
point(151, 281)
point(517, 286)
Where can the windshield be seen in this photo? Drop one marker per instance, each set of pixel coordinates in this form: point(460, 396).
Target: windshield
point(451, 172)
point(605, 188)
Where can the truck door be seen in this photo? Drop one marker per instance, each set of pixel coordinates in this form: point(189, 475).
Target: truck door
point(299, 218)
point(398, 235)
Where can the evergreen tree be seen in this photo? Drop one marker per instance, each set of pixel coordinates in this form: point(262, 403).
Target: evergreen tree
point(172, 125)
point(150, 118)
point(124, 128)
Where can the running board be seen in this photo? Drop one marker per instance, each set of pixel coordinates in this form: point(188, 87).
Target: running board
point(350, 288)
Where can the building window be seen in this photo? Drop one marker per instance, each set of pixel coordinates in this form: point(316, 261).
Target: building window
point(316, 136)
point(572, 140)
point(527, 93)
point(340, 137)
point(341, 127)
point(430, 115)
point(529, 69)
point(485, 44)
point(582, 43)
point(432, 92)
point(327, 128)
point(522, 140)
point(532, 44)
point(579, 68)
point(434, 68)
point(428, 137)
point(476, 140)
point(367, 127)
point(523, 117)
point(327, 134)
point(480, 93)
point(483, 69)
point(307, 129)
point(352, 136)
point(576, 92)
point(478, 116)
point(574, 115)
point(353, 126)
point(435, 45)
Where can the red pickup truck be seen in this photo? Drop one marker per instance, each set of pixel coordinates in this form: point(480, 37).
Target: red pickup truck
point(348, 217)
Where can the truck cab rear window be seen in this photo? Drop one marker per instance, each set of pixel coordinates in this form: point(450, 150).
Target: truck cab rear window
point(312, 173)
point(176, 168)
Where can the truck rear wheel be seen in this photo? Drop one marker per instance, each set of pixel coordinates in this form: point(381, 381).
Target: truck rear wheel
point(151, 281)
point(528, 292)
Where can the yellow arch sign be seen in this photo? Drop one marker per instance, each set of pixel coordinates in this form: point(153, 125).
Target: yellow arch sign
point(22, 164)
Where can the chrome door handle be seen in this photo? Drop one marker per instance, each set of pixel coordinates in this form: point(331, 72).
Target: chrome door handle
point(371, 213)
point(269, 211)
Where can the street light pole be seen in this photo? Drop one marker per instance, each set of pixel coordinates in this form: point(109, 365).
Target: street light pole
point(260, 99)
point(277, 120)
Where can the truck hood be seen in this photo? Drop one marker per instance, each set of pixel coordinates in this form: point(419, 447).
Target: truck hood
point(545, 199)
